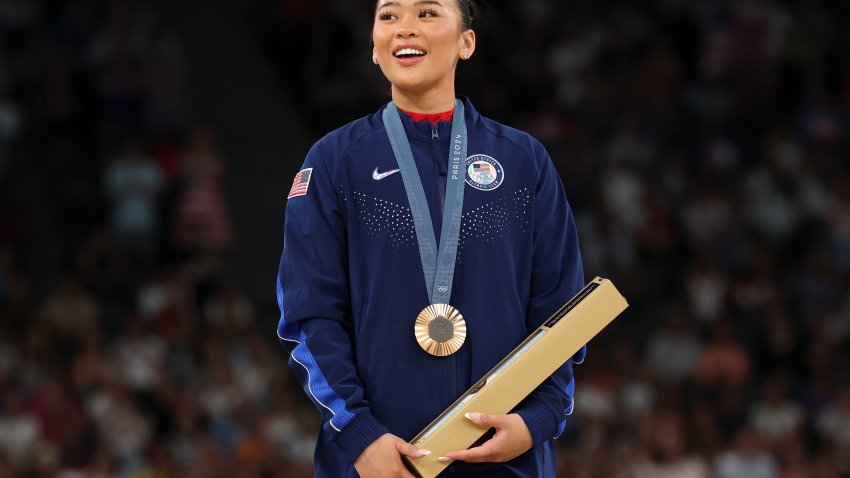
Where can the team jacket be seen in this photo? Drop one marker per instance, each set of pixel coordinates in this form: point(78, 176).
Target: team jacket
point(350, 284)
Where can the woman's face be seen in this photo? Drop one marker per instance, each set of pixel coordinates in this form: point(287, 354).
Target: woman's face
point(418, 42)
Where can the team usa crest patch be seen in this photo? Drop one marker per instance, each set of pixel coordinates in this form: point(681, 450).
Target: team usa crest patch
point(301, 183)
point(483, 172)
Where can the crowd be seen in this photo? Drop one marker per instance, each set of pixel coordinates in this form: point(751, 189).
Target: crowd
point(701, 144)
point(703, 148)
point(124, 349)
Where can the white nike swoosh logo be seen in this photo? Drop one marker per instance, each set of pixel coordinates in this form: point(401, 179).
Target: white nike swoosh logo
point(379, 176)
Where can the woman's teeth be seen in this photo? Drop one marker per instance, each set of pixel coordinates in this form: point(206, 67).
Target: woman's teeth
point(409, 52)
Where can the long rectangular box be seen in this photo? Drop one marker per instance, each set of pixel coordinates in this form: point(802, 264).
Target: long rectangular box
point(519, 373)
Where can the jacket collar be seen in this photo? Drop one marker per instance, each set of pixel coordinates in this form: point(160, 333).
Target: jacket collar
point(422, 131)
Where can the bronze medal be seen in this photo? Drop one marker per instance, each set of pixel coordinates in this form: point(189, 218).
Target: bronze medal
point(440, 329)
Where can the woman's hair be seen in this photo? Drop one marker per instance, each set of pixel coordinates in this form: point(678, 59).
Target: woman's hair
point(468, 11)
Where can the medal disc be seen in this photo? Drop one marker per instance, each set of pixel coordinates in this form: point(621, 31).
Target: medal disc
point(440, 329)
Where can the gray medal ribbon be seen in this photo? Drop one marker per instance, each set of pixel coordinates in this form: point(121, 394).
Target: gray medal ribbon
point(437, 264)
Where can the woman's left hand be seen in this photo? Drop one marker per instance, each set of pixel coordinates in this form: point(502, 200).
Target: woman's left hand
point(512, 439)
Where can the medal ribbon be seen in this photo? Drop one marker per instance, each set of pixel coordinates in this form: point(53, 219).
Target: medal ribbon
point(438, 264)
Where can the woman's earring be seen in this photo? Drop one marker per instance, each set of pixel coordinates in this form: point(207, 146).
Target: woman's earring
point(466, 56)
point(375, 59)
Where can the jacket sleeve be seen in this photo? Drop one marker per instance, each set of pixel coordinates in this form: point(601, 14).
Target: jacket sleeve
point(557, 275)
point(315, 310)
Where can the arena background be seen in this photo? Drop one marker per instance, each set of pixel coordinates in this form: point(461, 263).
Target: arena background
point(146, 149)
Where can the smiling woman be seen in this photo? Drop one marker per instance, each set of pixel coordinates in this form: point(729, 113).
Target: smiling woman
point(399, 291)
point(417, 45)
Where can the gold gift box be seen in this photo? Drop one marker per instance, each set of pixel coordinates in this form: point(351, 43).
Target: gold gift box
point(519, 373)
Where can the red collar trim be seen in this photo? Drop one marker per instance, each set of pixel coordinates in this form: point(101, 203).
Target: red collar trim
point(430, 117)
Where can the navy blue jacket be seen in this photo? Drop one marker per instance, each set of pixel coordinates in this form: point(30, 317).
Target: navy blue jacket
point(350, 285)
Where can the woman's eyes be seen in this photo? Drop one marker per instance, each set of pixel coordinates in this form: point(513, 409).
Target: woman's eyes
point(424, 13)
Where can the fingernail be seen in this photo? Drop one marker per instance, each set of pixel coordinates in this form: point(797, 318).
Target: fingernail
point(424, 452)
point(443, 459)
point(473, 416)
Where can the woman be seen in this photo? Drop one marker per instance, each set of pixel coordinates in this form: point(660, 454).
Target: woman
point(361, 263)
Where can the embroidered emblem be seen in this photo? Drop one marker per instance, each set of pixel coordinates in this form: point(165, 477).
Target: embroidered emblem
point(301, 183)
point(483, 172)
point(379, 176)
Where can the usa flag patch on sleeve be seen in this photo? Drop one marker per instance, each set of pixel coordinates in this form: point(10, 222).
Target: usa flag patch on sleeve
point(301, 183)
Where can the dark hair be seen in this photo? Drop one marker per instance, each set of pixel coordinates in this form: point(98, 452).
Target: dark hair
point(468, 11)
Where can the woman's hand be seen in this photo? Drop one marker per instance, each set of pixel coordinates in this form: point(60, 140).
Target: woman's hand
point(382, 459)
point(511, 440)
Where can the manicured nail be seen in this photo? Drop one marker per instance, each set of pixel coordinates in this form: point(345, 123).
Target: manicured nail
point(444, 459)
point(473, 416)
point(423, 452)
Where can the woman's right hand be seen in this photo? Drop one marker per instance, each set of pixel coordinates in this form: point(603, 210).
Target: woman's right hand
point(382, 459)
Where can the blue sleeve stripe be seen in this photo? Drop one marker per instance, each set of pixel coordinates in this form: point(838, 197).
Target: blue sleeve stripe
point(571, 389)
point(319, 388)
point(317, 385)
point(285, 332)
point(578, 359)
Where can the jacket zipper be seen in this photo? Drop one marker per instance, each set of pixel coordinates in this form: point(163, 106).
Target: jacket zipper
point(435, 151)
point(441, 181)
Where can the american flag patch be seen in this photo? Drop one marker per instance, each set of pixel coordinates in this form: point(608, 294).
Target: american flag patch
point(301, 183)
point(482, 168)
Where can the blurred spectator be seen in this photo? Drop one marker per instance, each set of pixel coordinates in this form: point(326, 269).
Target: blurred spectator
point(220, 394)
point(779, 349)
point(138, 356)
point(70, 310)
point(747, 459)
point(673, 351)
point(228, 309)
point(707, 290)
point(19, 430)
point(120, 423)
point(133, 182)
point(667, 445)
point(795, 460)
point(623, 191)
point(637, 393)
point(282, 426)
point(723, 361)
point(201, 220)
point(773, 209)
point(833, 423)
point(775, 417)
point(90, 365)
point(62, 421)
